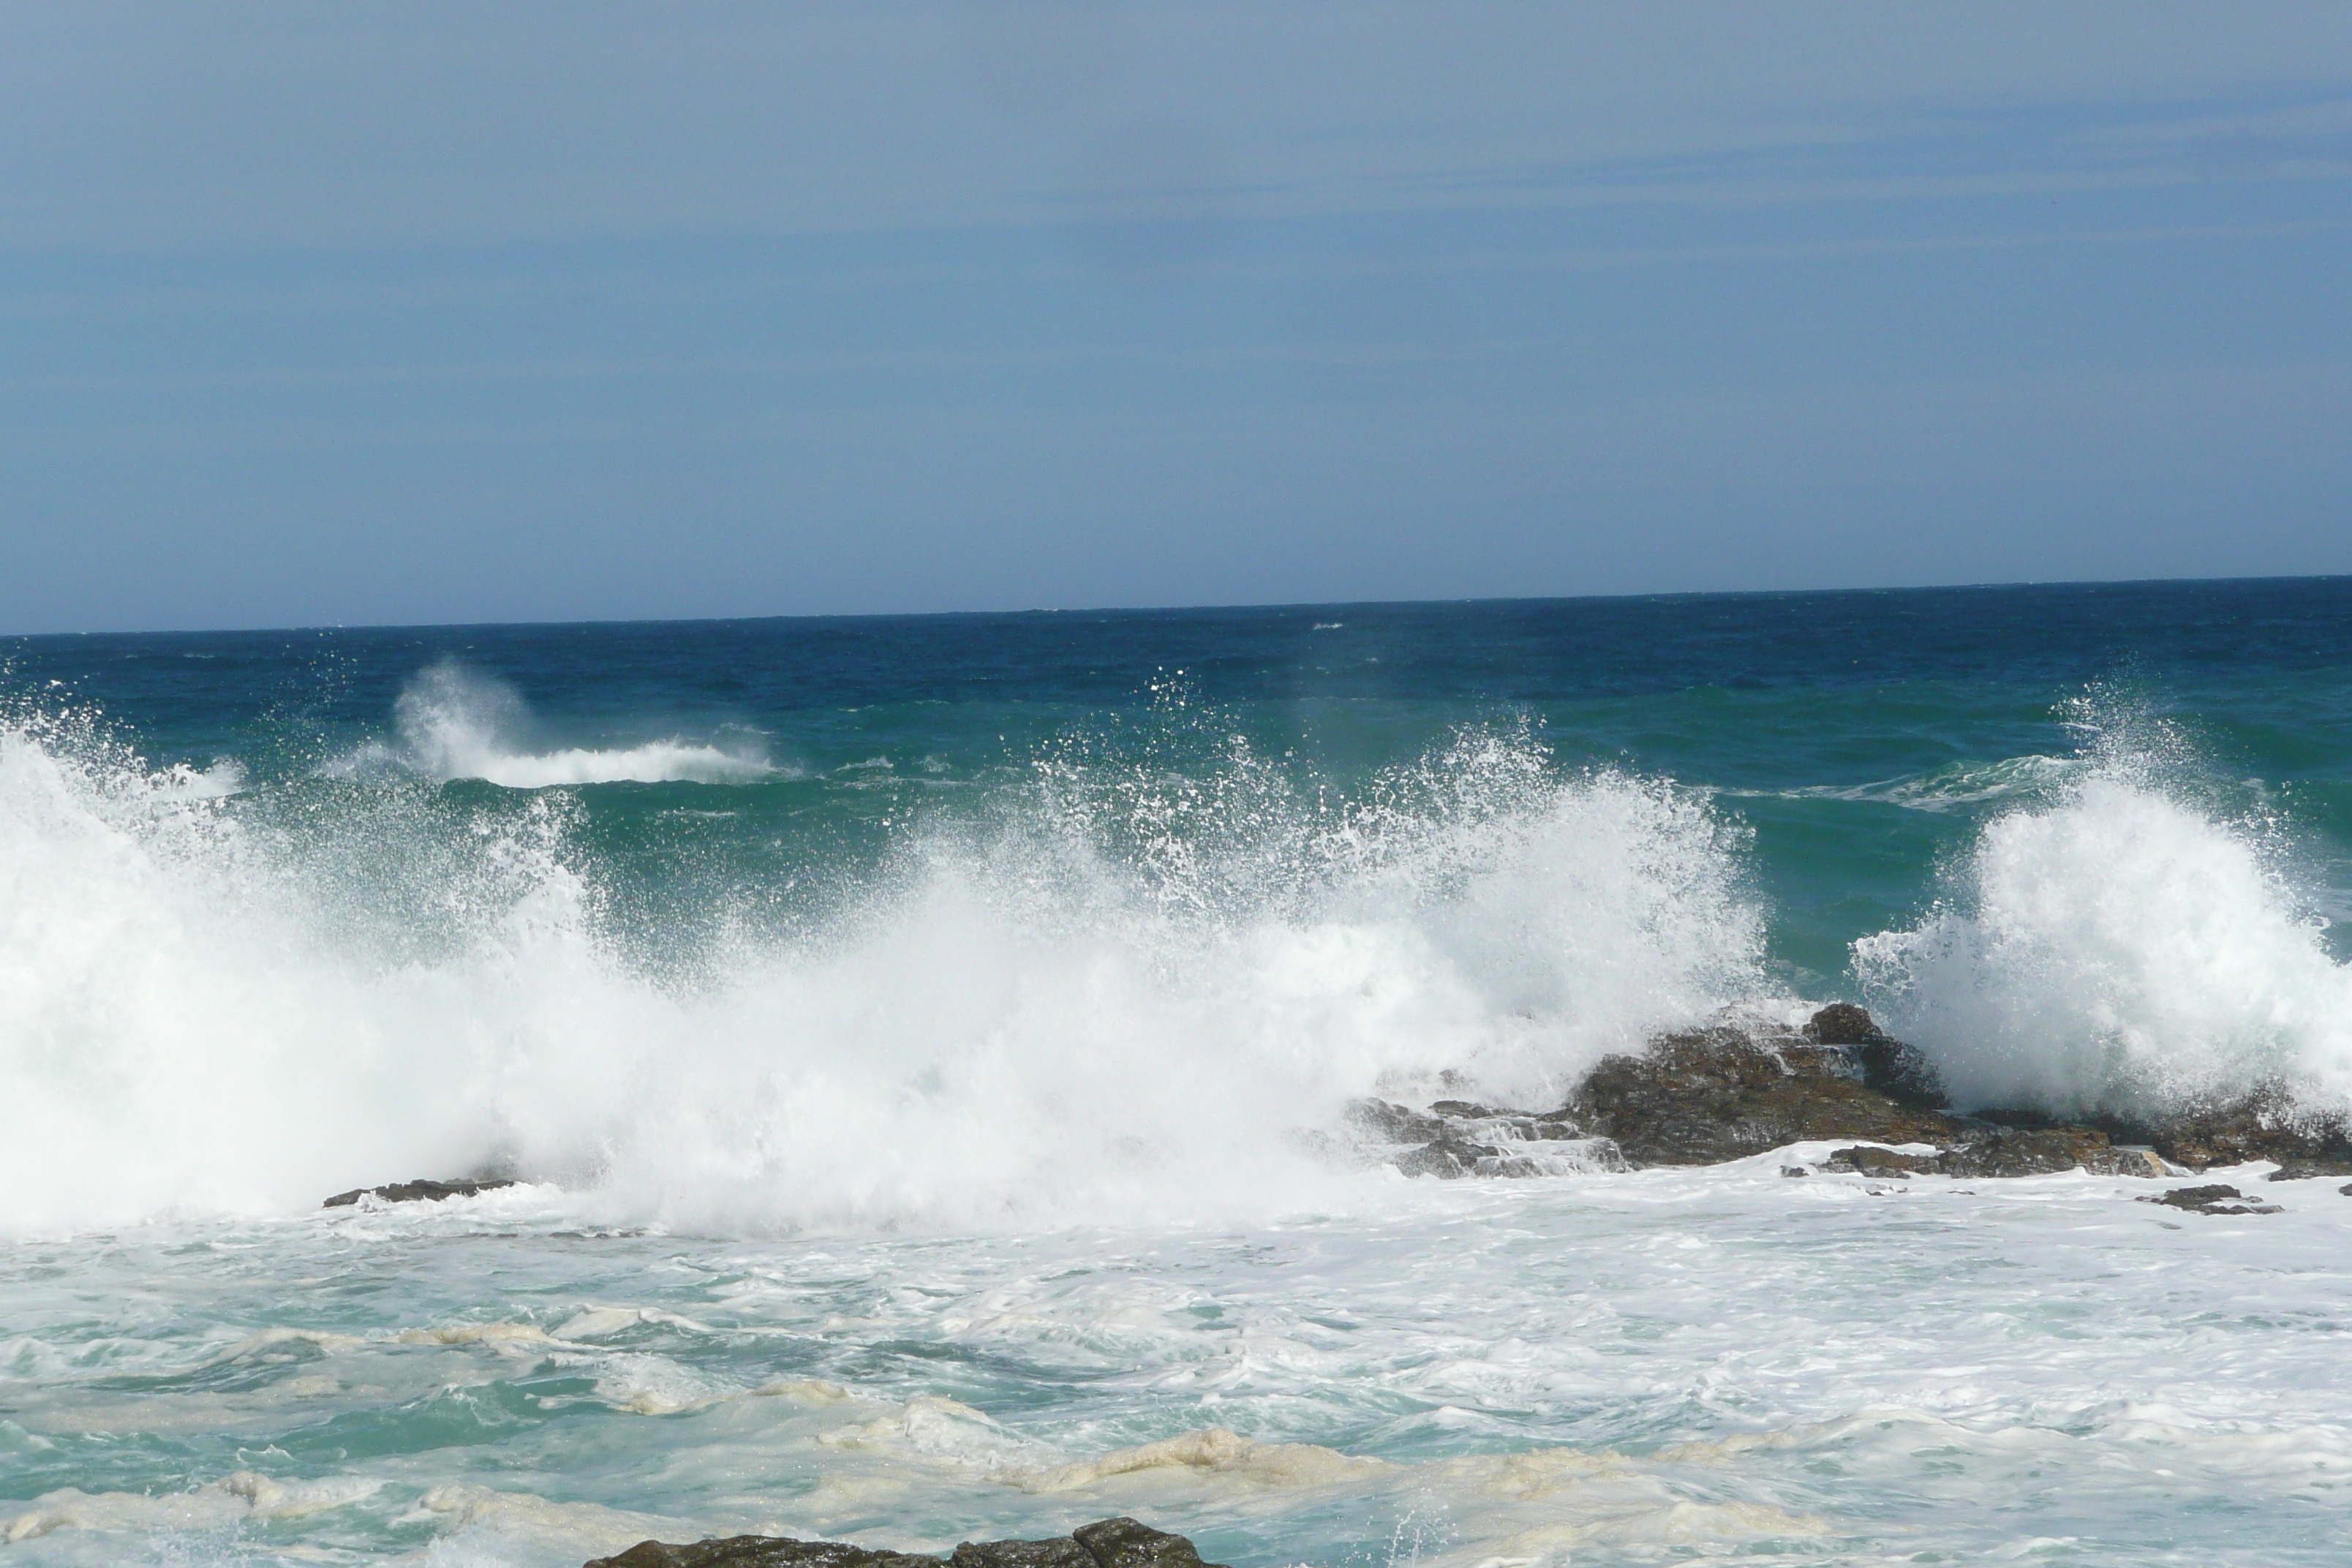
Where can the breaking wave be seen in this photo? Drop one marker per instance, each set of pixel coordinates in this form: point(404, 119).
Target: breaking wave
point(456, 723)
point(2133, 944)
point(1116, 986)
point(1116, 993)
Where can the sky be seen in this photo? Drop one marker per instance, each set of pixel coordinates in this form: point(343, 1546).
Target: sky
point(423, 313)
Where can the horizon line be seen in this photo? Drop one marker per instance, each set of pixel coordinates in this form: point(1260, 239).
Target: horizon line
point(1267, 605)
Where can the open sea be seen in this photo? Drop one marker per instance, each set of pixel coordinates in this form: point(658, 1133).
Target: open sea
point(922, 1043)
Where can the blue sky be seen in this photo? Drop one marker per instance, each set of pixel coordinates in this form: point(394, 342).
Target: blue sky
point(417, 312)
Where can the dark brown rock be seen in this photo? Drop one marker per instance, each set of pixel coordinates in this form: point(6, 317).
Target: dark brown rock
point(1108, 1543)
point(1710, 1095)
point(1059, 1552)
point(2216, 1198)
point(1844, 1024)
point(417, 1190)
point(1873, 1161)
point(1124, 1543)
point(761, 1552)
point(2305, 1170)
point(2004, 1152)
point(1447, 1159)
point(1394, 1123)
point(2266, 1125)
point(2038, 1152)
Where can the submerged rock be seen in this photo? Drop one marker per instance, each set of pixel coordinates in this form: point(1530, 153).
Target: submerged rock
point(2044, 1150)
point(1705, 1096)
point(418, 1190)
point(1446, 1158)
point(1394, 1123)
point(1458, 1137)
point(2006, 1152)
point(2305, 1170)
point(2216, 1198)
point(1108, 1543)
point(1868, 1160)
point(761, 1552)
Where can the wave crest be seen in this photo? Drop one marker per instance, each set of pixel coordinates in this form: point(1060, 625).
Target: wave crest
point(2129, 948)
point(456, 723)
point(1114, 995)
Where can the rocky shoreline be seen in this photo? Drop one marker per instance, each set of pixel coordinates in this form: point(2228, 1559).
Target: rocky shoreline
point(1703, 1097)
point(1107, 1543)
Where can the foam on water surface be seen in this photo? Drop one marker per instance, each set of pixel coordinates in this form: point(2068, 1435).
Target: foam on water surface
point(1664, 1367)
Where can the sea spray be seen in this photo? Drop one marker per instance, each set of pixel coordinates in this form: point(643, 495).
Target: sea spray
point(2134, 946)
point(456, 722)
point(1119, 990)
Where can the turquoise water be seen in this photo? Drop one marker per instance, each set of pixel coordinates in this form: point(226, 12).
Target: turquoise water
point(921, 1042)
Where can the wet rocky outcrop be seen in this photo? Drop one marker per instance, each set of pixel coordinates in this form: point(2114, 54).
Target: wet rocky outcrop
point(1704, 1096)
point(1700, 1097)
point(1995, 1152)
point(2305, 1170)
point(418, 1190)
point(2266, 1125)
point(1457, 1138)
point(2216, 1198)
point(1108, 1543)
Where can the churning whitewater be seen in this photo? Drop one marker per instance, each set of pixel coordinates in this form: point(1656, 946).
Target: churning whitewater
point(924, 1052)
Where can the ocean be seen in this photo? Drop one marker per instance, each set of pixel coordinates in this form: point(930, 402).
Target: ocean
point(921, 1045)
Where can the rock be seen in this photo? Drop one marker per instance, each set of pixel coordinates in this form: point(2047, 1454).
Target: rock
point(2213, 1199)
point(2042, 1151)
point(2264, 1125)
point(418, 1190)
point(1844, 1024)
point(2005, 1152)
point(1123, 1543)
point(2305, 1170)
point(1061, 1552)
point(763, 1552)
point(1108, 1543)
point(1447, 1159)
point(1394, 1123)
point(1873, 1161)
point(1458, 1137)
point(1709, 1095)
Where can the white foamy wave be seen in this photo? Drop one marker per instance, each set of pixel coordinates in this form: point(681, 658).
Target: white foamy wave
point(1118, 1000)
point(2119, 949)
point(455, 723)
